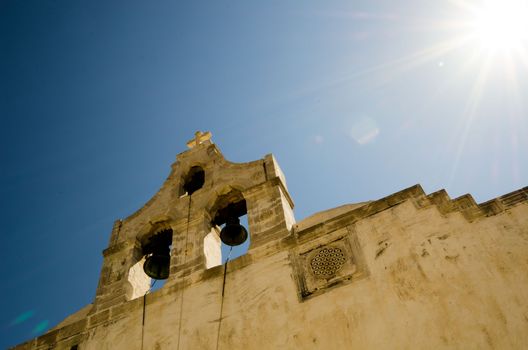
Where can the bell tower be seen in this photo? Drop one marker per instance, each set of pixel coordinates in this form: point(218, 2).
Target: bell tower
point(338, 279)
point(177, 232)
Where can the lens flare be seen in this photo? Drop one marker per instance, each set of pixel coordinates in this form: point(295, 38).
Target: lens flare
point(40, 327)
point(23, 317)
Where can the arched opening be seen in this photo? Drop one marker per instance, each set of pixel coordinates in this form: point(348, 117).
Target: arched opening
point(229, 224)
point(156, 250)
point(193, 181)
point(152, 268)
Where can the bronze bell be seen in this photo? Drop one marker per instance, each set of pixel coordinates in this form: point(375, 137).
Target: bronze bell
point(157, 265)
point(157, 251)
point(233, 233)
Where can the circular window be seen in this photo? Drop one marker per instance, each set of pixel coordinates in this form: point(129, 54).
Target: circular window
point(327, 262)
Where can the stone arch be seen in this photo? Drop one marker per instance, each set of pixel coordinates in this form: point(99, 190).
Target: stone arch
point(138, 282)
point(213, 200)
point(162, 222)
point(192, 179)
point(227, 202)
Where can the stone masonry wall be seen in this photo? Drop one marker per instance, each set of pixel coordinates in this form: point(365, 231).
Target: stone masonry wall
point(407, 271)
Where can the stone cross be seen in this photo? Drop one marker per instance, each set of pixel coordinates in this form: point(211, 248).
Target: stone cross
point(199, 138)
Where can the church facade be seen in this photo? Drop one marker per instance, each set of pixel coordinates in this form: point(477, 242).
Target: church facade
point(408, 271)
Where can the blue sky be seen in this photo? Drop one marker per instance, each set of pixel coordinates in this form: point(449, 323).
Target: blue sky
point(356, 99)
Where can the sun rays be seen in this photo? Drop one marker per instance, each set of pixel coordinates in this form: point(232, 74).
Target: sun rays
point(497, 33)
point(481, 45)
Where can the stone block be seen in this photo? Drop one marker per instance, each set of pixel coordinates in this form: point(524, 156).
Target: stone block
point(99, 318)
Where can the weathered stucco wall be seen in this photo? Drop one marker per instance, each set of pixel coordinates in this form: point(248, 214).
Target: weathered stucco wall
point(412, 271)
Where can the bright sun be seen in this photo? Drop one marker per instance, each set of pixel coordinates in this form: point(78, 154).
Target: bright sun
point(502, 25)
